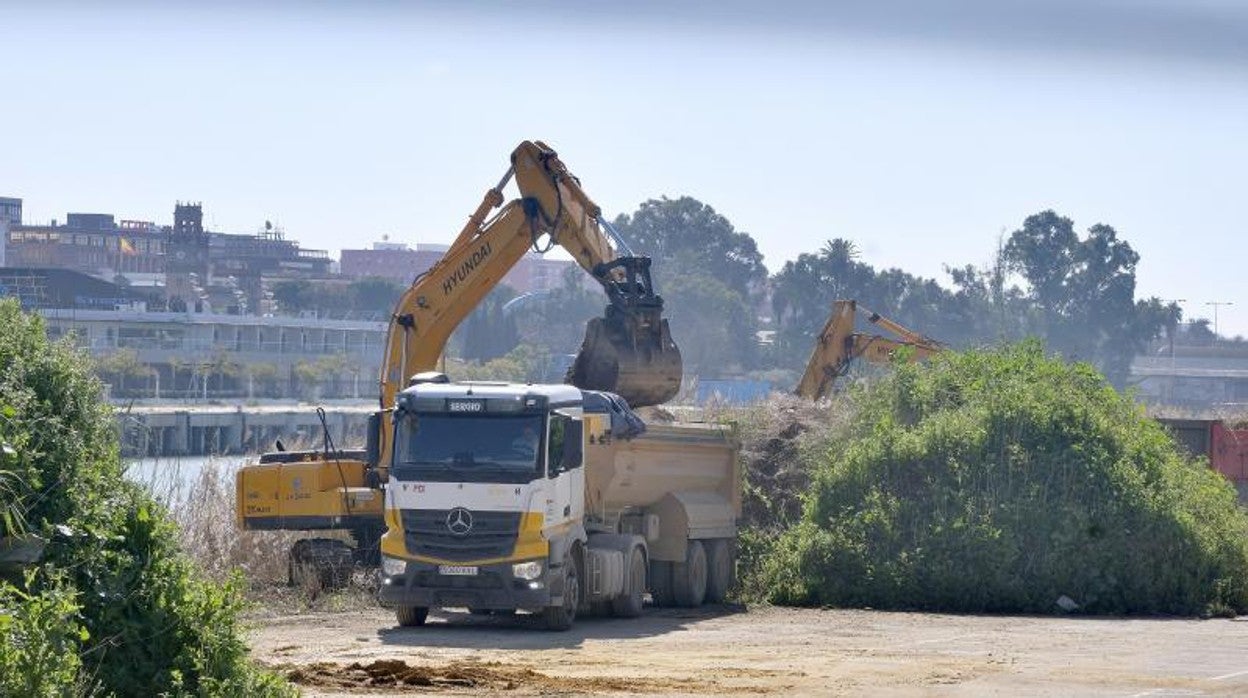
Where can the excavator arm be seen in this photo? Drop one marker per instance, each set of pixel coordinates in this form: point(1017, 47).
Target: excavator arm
point(629, 351)
point(838, 345)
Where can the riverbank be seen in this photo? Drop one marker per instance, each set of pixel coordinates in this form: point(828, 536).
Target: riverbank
point(180, 429)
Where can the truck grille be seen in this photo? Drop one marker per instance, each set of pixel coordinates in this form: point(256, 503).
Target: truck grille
point(484, 580)
point(493, 534)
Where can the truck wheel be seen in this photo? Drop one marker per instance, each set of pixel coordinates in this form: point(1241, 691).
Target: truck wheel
point(629, 603)
point(411, 616)
point(721, 570)
point(561, 617)
point(661, 590)
point(689, 577)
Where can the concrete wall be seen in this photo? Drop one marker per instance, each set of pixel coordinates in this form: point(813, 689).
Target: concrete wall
point(175, 431)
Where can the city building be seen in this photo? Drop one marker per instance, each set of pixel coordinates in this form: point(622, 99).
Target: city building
point(196, 269)
point(1194, 377)
point(267, 254)
point(91, 243)
point(391, 260)
point(229, 356)
point(11, 210)
point(40, 289)
point(402, 264)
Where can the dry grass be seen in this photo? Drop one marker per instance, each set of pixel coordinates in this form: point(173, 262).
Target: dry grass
point(210, 533)
point(775, 436)
point(202, 505)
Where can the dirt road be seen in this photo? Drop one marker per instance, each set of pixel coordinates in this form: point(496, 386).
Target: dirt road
point(764, 651)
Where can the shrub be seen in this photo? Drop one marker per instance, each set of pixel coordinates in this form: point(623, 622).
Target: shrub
point(149, 624)
point(1002, 481)
point(777, 437)
point(40, 637)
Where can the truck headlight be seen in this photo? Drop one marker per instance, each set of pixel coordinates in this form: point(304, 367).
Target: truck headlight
point(393, 566)
point(527, 570)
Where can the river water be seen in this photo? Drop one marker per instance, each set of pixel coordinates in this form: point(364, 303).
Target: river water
point(170, 478)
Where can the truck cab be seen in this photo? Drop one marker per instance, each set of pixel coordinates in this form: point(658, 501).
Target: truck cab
point(488, 490)
point(485, 498)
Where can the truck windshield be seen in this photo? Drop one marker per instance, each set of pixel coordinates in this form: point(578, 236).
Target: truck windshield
point(468, 448)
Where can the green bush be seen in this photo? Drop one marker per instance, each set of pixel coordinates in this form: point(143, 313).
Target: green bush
point(143, 621)
point(40, 638)
point(1002, 481)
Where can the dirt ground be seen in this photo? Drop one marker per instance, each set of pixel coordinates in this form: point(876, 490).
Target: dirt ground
point(762, 651)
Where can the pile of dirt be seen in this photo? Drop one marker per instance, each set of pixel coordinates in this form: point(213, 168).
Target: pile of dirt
point(775, 436)
point(478, 677)
point(394, 673)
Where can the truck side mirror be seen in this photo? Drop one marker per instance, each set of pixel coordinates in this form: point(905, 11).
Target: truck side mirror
point(372, 440)
point(573, 449)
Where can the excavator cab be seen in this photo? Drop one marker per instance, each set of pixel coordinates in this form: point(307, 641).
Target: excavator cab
point(629, 351)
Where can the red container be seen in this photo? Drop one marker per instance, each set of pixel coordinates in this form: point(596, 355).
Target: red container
point(1228, 452)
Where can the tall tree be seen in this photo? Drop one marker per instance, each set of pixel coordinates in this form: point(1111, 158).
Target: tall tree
point(687, 228)
point(375, 294)
point(711, 276)
point(804, 289)
point(292, 296)
point(554, 320)
point(1083, 292)
point(488, 333)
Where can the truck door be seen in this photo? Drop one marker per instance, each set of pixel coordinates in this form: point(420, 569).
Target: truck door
point(564, 461)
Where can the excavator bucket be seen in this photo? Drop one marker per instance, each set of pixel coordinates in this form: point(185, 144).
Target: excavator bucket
point(631, 355)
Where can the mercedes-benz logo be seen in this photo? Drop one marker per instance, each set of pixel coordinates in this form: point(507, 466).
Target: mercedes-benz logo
point(459, 521)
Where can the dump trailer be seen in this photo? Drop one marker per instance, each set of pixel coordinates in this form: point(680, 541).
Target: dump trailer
point(552, 500)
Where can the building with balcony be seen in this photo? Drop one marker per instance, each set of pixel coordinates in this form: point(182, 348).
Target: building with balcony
point(202, 355)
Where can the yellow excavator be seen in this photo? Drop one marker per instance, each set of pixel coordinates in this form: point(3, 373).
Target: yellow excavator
point(629, 351)
point(838, 345)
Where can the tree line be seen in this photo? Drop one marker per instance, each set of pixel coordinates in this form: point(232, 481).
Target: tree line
point(733, 317)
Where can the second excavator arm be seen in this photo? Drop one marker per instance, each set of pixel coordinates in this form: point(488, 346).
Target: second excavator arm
point(838, 345)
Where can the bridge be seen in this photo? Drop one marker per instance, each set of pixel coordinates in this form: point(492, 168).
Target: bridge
point(176, 430)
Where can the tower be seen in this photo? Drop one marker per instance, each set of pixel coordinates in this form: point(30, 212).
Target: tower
point(186, 257)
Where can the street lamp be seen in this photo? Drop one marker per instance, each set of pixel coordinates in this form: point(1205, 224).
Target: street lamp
point(1174, 326)
point(1215, 305)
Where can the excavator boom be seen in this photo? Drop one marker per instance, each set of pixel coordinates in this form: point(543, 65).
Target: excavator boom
point(628, 351)
point(838, 345)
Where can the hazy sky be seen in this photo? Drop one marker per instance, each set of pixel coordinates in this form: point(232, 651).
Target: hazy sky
point(920, 133)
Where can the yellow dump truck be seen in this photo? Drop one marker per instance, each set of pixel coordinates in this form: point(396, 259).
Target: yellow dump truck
point(554, 500)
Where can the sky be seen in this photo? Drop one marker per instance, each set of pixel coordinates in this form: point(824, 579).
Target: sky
point(923, 131)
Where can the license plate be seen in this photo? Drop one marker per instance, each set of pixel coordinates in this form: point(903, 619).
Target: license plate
point(457, 570)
